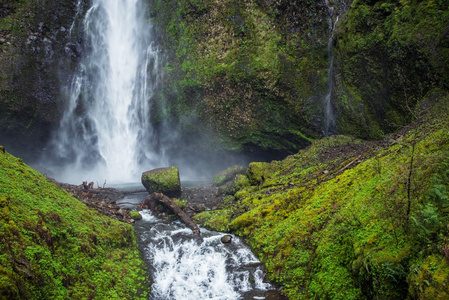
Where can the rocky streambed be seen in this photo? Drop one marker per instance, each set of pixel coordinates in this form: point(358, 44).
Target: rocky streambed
point(215, 264)
point(117, 202)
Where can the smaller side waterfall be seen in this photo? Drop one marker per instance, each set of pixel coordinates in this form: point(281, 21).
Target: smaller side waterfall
point(330, 122)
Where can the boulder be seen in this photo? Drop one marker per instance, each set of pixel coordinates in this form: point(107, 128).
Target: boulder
point(135, 215)
point(163, 180)
point(229, 174)
point(231, 187)
point(259, 171)
point(226, 239)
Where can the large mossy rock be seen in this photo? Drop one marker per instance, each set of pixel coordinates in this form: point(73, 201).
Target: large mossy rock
point(163, 180)
point(231, 187)
point(258, 172)
point(228, 174)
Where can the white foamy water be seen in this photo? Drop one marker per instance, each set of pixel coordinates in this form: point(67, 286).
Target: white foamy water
point(187, 267)
point(105, 132)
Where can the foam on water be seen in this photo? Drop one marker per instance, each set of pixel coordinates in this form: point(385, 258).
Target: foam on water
point(188, 267)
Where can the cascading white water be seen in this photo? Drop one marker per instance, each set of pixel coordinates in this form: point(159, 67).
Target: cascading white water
point(105, 131)
point(336, 8)
point(190, 268)
point(330, 123)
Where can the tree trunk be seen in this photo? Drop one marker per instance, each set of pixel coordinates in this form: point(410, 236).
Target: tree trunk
point(151, 201)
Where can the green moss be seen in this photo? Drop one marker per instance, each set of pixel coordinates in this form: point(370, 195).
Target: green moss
point(346, 219)
point(163, 180)
point(231, 187)
point(181, 203)
point(214, 220)
point(53, 246)
point(228, 174)
point(389, 55)
point(135, 215)
point(258, 171)
point(428, 278)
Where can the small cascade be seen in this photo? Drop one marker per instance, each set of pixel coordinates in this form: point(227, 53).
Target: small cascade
point(330, 122)
point(105, 131)
point(188, 267)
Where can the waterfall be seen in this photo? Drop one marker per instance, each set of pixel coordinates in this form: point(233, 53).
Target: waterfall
point(105, 131)
point(330, 122)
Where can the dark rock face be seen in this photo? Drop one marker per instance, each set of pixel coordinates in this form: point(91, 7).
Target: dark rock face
point(252, 72)
point(34, 64)
point(244, 76)
point(163, 180)
point(389, 55)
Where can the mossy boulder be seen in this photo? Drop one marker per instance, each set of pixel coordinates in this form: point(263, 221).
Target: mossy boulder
point(231, 187)
point(258, 172)
point(214, 219)
point(163, 180)
point(135, 215)
point(228, 174)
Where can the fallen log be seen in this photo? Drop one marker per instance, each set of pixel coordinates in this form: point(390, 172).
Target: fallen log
point(151, 201)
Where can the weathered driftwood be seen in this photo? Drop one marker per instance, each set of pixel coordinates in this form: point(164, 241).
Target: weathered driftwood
point(152, 200)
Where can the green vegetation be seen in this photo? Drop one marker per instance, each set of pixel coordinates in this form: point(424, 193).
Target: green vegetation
point(255, 72)
point(181, 203)
point(252, 72)
point(389, 55)
point(347, 219)
point(135, 215)
point(163, 180)
point(228, 174)
point(53, 247)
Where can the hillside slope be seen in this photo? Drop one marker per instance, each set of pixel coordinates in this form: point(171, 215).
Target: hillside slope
point(53, 247)
point(347, 219)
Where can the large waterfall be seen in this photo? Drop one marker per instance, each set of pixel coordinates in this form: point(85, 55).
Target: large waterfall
point(105, 131)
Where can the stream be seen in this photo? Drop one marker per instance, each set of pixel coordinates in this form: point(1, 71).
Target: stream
point(185, 266)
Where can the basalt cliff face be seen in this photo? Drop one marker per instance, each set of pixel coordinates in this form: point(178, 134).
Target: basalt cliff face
point(245, 76)
point(35, 57)
point(389, 56)
point(253, 72)
point(256, 72)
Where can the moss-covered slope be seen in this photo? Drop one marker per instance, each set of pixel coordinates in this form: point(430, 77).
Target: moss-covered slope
point(53, 247)
point(346, 219)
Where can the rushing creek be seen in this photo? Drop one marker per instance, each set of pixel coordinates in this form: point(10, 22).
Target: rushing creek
point(106, 132)
point(185, 266)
